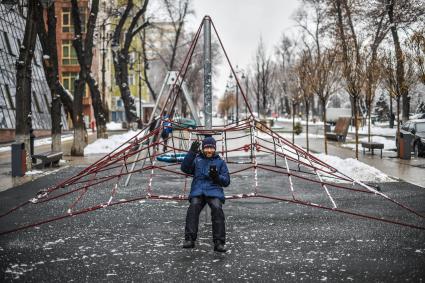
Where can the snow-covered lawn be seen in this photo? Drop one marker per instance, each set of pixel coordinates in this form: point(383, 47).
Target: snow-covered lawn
point(389, 145)
point(104, 146)
point(113, 126)
point(355, 169)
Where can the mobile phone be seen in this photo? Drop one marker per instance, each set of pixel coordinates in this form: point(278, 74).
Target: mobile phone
point(213, 168)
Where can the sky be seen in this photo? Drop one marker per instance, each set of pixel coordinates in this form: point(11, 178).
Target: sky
point(240, 24)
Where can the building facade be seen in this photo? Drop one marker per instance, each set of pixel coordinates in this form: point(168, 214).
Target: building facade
point(12, 26)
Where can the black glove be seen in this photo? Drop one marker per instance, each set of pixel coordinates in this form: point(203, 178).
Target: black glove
point(195, 146)
point(214, 175)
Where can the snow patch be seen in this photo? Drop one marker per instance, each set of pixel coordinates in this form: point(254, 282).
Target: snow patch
point(33, 172)
point(113, 126)
point(355, 169)
point(388, 143)
point(102, 146)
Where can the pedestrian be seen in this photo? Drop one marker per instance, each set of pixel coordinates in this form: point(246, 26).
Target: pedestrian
point(210, 175)
point(166, 130)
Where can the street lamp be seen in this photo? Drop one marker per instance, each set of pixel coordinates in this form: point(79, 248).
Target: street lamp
point(237, 71)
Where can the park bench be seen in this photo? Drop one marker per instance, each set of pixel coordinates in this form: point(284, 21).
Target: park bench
point(372, 146)
point(341, 129)
point(49, 158)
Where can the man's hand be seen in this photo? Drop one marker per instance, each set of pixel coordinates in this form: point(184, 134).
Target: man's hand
point(214, 175)
point(195, 146)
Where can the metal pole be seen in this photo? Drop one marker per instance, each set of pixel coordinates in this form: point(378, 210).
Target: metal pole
point(103, 65)
point(237, 105)
point(246, 94)
point(207, 85)
point(140, 91)
point(207, 74)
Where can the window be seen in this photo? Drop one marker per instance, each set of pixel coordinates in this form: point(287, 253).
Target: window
point(36, 102)
point(8, 97)
point(131, 79)
point(68, 80)
point(69, 55)
point(68, 23)
point(66, 20)
point(8, 44)
point(46, 101)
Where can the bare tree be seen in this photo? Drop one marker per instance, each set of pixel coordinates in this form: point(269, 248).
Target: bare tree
point(285, 53)
point(376, 29)
point(391, 83)
point(50, 65)
point(417, 47)
point(263, 73)
point(84, 49)
point(120, 51)
point(23, 80)
point(304, 70)
point(401, 14)
point(225, 104)
point(323, 67)
point(348, 42)
point(294, 95)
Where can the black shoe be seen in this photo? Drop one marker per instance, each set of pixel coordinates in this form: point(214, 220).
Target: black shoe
point(219, 247)
point(188, 244)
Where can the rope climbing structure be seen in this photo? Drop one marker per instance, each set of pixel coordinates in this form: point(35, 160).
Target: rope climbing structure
point(251, 149)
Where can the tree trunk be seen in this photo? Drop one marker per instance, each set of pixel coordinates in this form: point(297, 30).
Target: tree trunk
point(23, 81)
point(356, 125)
point(398, 115)
point(307, 108)
point(79, 142)
point(369, 122)
point(99, 111)
point(324, 126)
point(391, 113)
point(400, 74)
point(293, 123)
point(50, 66)
point(121, 79)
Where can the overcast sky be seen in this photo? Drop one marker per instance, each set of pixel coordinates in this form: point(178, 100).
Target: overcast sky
point(240, 24)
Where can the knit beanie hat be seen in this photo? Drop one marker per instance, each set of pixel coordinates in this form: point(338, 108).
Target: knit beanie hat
point(208, 142)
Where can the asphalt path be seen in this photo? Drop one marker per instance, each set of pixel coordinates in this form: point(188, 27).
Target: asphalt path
point(267, 240)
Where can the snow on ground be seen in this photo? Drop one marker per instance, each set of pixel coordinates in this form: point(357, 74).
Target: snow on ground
point(33, 172)
point(355, 169)
point(103, 146)
point(389, 145)
point(288, 136)
point(42, 141)
point(114, 126)
point(374, 130)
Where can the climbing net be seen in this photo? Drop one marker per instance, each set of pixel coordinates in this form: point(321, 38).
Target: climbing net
point(151, 164)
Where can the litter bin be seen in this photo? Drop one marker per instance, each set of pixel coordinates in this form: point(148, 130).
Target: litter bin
point(405, 146)
point(19, 161)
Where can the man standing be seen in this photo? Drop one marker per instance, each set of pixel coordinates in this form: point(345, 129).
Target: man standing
point(210, 175)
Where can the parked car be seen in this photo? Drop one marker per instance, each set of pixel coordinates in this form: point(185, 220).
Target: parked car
point(415, 129)
point(417, 116)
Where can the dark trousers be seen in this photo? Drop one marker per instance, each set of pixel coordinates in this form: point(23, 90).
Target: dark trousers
point(217, 217)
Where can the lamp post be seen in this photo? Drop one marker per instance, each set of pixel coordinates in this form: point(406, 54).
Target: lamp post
point(139, 71)
point(237, 71)
point(105, 38)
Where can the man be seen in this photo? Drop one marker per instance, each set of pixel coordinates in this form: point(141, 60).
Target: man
point(167, 129)
point(210, 175)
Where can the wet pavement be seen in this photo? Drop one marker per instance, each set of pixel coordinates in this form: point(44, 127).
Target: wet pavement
point(267, 240)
